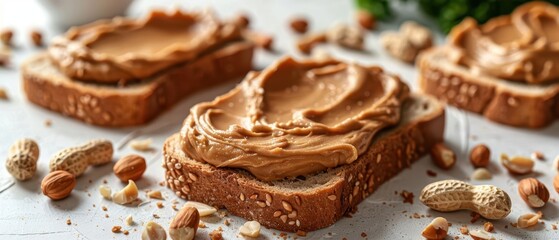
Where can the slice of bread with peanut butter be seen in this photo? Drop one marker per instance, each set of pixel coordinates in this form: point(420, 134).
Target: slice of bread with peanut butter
point(302, 143)
point(124, 72)
point(506, 69)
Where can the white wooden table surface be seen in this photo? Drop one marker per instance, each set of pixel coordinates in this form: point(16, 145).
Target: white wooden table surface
point(26, 214)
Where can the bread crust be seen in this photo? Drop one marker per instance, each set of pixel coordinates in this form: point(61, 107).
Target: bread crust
point(334, 194)
point(133, 104)
point(498, 100)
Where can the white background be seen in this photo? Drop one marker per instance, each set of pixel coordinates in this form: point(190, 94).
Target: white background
point(25, 213)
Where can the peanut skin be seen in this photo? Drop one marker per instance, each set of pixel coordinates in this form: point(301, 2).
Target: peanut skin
point(451, 195)
point(75, 160)
point(22, 159)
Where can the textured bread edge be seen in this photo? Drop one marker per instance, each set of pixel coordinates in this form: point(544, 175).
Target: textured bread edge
point(317, 207)
point(493, 98)
point(113, 106)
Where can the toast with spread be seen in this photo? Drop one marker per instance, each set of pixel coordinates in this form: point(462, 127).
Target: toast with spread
point(124, 72)
point(301, 138)
point(506, 69)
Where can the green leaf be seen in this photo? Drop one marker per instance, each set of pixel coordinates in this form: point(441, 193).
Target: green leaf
point(379, 8)
point(482, 12)
point(448, 13)
point(432, 7)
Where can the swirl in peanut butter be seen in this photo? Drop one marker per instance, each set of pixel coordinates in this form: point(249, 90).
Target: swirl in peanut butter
point(294, 118)
point(523, 46)
point(121, 49)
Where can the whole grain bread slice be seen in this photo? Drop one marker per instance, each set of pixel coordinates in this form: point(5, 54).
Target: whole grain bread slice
point(137, 103)
point(315, 201)
point(512, 103)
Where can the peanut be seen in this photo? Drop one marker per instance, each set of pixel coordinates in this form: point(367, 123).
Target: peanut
point(142, 145)
point(307, 42)
point(105, 191)
point(299, 24)
point(22, 159)
point(437, 229)
point(365, 19)
point(528, 220)
point(442, 156)
point(517, 165)
point(6, 36)
point(398, 47)
point(450, 195)
point(5, 55)
point(419, 36)
point(36, 38)
point(481, 174)
point(127, 195)
point(203, 209)
point(153, 231)
point(480, 156)
point(129, 221)
point(76, 159)
point(346, 36)
point(250, 229)
point(155, 195)
point(481, 235)
point(3, 92)
point(408, 42)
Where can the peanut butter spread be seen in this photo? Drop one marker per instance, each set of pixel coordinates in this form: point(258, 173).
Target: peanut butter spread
point(294, 118)
point(523, 46)
point(118, 50)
